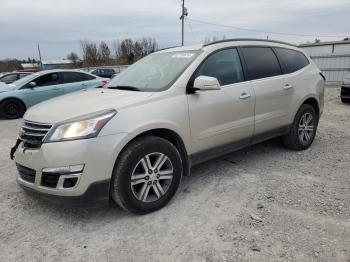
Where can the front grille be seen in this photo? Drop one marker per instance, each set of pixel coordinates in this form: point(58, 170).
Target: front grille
point(32, 134)
point(25, 173)
point(49, 179)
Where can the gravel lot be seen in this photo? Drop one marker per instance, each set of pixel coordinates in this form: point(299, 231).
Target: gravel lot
point(263, 203)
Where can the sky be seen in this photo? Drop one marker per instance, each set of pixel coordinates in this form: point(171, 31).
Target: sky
point(59, 25)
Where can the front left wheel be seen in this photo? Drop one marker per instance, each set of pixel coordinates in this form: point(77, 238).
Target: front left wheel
point(12, 109)
point(146, 175)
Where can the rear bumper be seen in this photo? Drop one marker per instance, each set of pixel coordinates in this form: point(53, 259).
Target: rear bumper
point(95, 196)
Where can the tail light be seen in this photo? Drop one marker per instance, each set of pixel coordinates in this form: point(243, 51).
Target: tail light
point(105, 81)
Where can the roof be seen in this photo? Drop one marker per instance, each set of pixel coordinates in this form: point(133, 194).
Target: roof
point(326, 43)
point(248, 39)
point(200, 46)
point(181, 48)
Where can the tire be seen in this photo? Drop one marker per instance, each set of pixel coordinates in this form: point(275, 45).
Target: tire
point(12, 109)
point(345, 100)
point(300, 136)
point(136, 189)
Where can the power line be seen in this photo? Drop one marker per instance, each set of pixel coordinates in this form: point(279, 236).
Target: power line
point(261, 31)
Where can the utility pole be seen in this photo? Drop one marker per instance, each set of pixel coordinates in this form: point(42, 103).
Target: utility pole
point(41, 64)
point(182, 18)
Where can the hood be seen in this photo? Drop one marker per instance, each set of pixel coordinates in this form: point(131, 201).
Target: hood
point(83, 102)
point(6, 88)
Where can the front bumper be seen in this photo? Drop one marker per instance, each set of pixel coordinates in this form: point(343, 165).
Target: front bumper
point(97, 155)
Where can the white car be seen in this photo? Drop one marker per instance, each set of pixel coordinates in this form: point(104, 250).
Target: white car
point(133, 140)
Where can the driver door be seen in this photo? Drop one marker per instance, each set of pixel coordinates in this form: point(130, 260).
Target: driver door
point(47, 86)
point(221, 120)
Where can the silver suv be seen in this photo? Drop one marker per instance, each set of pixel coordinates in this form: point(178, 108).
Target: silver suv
point(133, 140)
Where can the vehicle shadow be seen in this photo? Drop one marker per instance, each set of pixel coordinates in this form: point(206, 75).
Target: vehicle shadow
point(207, 171)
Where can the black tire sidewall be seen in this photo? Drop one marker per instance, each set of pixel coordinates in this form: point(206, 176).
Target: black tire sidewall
point(17, 103)
point(129, 159)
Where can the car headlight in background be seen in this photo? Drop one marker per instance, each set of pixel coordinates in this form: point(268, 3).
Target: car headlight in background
point(87, 126)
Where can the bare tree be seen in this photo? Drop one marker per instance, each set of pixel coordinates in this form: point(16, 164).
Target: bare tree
point(74, 58)
point(127, 50)
point(117, 49)
point(104, 53)
point(90, 53)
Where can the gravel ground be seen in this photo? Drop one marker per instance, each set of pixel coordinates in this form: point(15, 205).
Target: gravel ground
point(263, 203)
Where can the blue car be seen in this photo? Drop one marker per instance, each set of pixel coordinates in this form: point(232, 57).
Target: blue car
point(17, 97)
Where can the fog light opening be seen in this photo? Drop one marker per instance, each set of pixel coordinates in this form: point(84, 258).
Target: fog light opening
point(70, 182)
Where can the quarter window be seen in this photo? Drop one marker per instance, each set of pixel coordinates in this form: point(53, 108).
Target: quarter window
point(261, 62)
point(225, 65)
point(291, 60)
point(87, 77)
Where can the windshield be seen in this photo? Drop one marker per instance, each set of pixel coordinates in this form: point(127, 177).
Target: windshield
point(24, 80)
point(155, 72)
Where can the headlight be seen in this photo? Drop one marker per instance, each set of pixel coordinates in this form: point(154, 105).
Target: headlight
point(80, 128)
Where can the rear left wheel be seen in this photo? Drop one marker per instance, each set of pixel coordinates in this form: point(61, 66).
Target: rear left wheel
point(146, 175)
point(303, 130)
point(12, 109)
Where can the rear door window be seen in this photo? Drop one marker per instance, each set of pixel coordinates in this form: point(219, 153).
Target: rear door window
point(72, 77)
point(291, 60)
point(225, 65)
point(261, 62)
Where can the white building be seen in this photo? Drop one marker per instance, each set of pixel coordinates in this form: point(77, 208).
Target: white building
point(333, 58)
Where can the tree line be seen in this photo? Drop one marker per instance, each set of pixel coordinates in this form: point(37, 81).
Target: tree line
point(126, 51)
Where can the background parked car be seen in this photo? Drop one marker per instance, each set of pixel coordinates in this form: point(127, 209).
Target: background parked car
point(12, 77)
point(345, 90)
point(17, 97)
point(103, 72)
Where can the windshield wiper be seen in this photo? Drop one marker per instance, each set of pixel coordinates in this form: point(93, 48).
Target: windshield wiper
point(131, 88)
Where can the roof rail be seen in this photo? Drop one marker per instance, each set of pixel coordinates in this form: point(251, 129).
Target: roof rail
point(248, 39)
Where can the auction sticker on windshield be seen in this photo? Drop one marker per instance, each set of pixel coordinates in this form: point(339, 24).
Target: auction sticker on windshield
point(182, 55)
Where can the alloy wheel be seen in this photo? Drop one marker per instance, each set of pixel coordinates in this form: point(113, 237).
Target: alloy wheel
point(306, 128)
point(151, 177)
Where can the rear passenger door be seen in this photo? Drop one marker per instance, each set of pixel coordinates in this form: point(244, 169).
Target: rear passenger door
point(223, 119)
point(273, 92)
point(74, 81)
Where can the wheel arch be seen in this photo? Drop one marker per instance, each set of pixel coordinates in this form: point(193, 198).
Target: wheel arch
point(309, 100)
point(312, 101)
point(170, 136)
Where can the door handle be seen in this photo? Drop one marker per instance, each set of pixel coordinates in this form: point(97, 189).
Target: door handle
point(287, 86)
point(244, 96)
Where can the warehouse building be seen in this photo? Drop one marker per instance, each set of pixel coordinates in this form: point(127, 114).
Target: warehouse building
point(333, 58)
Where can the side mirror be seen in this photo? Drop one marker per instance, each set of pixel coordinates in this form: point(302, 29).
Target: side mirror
point(32, 84)
point(206, 83)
